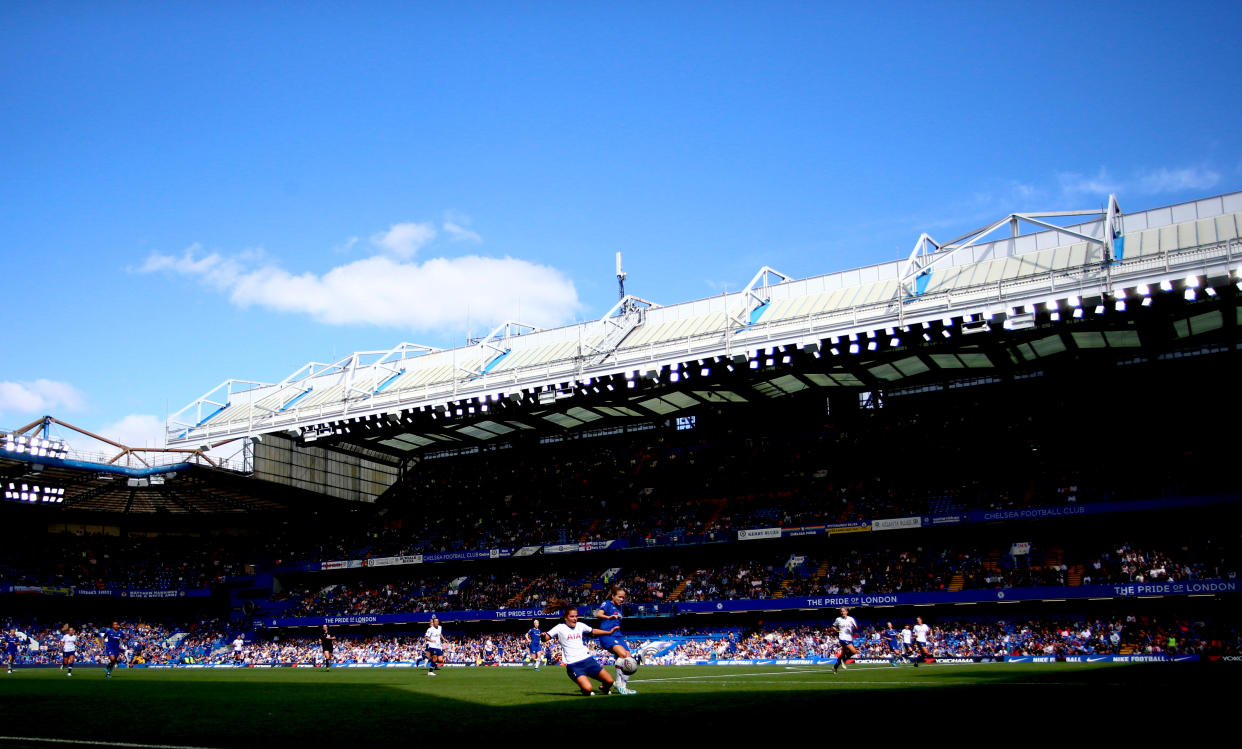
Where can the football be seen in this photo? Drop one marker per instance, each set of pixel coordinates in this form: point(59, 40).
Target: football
point(627, 665)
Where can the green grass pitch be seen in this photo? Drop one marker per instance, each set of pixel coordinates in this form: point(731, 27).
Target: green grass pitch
point(361, 707)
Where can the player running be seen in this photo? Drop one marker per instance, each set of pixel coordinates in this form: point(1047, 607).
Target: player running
point(238, 655)
point(846, 627)
point(907, 645)
point(579, 664)
point(922, 633)
point(325, 642)
point(15, 641)
point(434, 637)
point(534, 644)
point(68, 649)
point(609, 614)
point(893, 641)
point(112, 647)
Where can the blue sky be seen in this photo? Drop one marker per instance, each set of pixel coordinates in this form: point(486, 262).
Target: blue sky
point(198, 191)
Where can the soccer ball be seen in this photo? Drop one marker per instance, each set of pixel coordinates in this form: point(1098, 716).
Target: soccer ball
point(627, 665)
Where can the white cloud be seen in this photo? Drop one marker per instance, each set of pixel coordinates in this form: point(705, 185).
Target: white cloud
point(1144, 182)
point(1177, 180)
point(135, 430)
point(403, 240)
point(460, 233)
point(1074, 183)
point(39, 397)
point(438, 294)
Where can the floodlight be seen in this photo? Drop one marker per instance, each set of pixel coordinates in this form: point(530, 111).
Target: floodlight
point(1142, 289)
point(1055, 316)
point(1074, 301)
point(835, 351)
point(927, 337)
point(674, 376)
point(786, 359)
point(853, 348)
point(1166, 286)
point(946, 333)
point(1078, 312)
point(1146, 301)
point(1120, 306)
point(894, 342)
point(704, 372)
point(1210, 291)
point(1192, 281)
point(754, 363)
point(1190, 295)
point(871, 346)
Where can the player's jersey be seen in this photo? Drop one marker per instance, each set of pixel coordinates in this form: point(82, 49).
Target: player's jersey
point(890, 635)
point(238, 644)
point(536, 637)
point(609, 608)
point(68, 643)
point(435, 637)
point(906, 636)
point(846, 626)
point(921, 631)
point(573, 641)
point(112, 641)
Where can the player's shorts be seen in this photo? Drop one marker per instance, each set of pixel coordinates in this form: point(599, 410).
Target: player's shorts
point(113, 651)
point(585, 667)
point(435, 651)
point(608, 641)
point(11, 649)
point(534, 651)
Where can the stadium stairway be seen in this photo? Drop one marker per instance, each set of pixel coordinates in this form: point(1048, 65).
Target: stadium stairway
point(681, 588)
point(957, 583)
point(1074, 575)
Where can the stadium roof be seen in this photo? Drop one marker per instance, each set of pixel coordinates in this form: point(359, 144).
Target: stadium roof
point(973, 307)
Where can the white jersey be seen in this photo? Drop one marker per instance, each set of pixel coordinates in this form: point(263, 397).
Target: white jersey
point(435, 637)
point(69, 643)
point(573, 641)
point(845, 628)
point(906, 636)
point(921, 631)
point(238, 644)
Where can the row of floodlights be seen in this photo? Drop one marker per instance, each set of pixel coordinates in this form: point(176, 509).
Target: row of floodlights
point(17, 492)
point(1016, 318)
point(36, 447)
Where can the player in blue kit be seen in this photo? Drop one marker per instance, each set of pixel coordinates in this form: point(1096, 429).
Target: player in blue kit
point(112, 641)
point(609, 613)
point(534, 644)
point(894, 644)
point(13, 643)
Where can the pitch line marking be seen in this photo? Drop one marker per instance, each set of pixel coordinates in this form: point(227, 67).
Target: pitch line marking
point(84, 742)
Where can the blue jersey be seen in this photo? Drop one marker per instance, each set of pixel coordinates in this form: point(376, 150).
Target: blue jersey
point(536, 640)
point(609, 608)
point(112, 641)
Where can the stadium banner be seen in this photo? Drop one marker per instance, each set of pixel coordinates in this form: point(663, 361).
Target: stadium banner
point(409, 618)
point(892, 524)
point(527, 551)
point(1039, 593)
point(107, 592)
point(447, 556)
point(583, 546)
point(753, 533)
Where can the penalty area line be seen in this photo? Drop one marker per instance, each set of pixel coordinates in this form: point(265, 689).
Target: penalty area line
point(85, 742)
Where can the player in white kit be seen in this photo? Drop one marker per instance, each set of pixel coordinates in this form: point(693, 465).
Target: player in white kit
point(579, 663)
point(434, 637)
point(922, 635)
point(68, 649)
point(846, 628)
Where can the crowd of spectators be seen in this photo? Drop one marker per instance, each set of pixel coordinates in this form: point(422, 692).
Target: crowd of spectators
point(848, 571)
point(145, 642)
